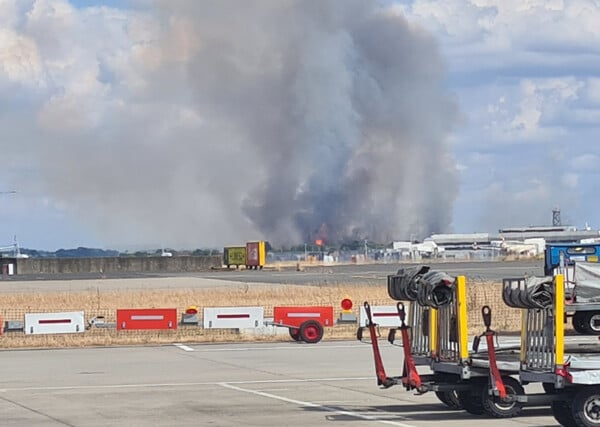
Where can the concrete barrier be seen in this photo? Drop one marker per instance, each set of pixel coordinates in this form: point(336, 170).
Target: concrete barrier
point(117, 264)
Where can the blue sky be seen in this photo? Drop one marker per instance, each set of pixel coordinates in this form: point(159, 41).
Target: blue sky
point(85, 95)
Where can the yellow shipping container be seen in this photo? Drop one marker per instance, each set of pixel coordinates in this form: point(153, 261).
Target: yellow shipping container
point(234, 255)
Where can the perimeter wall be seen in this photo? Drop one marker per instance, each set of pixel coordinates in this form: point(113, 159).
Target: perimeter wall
point(117, 264)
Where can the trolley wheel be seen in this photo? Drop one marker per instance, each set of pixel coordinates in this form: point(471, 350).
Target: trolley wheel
point(561, 409)
point(470, 400)
point(294, 333)
point(449, 398)
point(498, 408)
point(311, 331)
point(586, 407)
point(579, 322)
point(592, 322)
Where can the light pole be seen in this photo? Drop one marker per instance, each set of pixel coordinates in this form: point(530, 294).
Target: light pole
point(15, 245)
point(305, 253)
point(366, 250)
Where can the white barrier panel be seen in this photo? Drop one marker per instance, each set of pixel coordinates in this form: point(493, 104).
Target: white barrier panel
point(383, 315)
point(54, 323)
point(233, 317)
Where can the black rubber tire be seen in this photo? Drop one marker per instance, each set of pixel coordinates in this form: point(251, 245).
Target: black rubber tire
point(586, 407)
point(549, 388)
point(294, 333)
point(470, 400)
point(590, 318)
point(578, 320)
point(311, 331)
point(561, 409)
point(449, 398)
point(495, 407)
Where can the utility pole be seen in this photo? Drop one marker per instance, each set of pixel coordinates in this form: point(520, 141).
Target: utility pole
point(16, 250)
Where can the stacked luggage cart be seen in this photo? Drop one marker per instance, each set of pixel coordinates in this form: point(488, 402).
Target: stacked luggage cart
point(487, 379)
point(569, 374)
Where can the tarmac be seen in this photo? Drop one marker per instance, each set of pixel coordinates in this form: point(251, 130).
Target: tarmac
point(363, 274)
point(250, 384)
point(260, 384)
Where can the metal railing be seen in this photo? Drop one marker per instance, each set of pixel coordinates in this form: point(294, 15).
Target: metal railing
point(419, 321)
point(542, 328)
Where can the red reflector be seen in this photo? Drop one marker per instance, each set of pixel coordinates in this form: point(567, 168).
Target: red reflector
point(192, 309)
point(51, 321)
point(233, 316)
point(347, 304)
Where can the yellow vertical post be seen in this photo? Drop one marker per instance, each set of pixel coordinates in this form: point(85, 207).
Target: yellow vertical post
point(559, 313)
point(523, 337)
point(461, 299)
point(433, 340)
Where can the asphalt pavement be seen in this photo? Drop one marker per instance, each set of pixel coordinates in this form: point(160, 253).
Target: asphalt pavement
point(260, 384)
point(363, 274)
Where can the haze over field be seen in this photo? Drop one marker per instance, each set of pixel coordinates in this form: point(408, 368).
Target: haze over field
point(194, 124)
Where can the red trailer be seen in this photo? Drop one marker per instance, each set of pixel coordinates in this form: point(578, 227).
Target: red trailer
point(304, 323)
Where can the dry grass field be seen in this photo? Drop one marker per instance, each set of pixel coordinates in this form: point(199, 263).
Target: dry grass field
point(94, 302)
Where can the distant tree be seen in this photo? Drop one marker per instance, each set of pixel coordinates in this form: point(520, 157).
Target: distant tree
point(82, 252)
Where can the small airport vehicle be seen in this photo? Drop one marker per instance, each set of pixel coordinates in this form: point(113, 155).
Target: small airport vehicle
point(578, 263)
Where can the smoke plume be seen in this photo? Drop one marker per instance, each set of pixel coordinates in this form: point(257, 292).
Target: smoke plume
point(198, 123)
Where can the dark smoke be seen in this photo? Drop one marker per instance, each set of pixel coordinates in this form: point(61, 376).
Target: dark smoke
point(344, 105)
point(264, 119)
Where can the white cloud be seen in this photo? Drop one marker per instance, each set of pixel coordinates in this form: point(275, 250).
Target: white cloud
point(535, 110)
point(525, 74)
point(585, 162)
point(570, 180)
point(592, 91)
point(499, 32)
point(19, 58)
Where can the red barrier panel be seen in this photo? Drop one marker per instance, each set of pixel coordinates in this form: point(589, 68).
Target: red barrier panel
point(295, 316)
point(147, 318)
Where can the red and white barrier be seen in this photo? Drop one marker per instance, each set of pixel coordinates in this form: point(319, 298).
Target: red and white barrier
point(54, 323)
point(147, 318)
point(383, 315)
point(296, 315)
point(233, 317)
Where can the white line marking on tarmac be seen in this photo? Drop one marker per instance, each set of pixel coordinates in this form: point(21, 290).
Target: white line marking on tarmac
point(316, 405)
point(183, 347)
point(292, 347)
point(305, 380)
